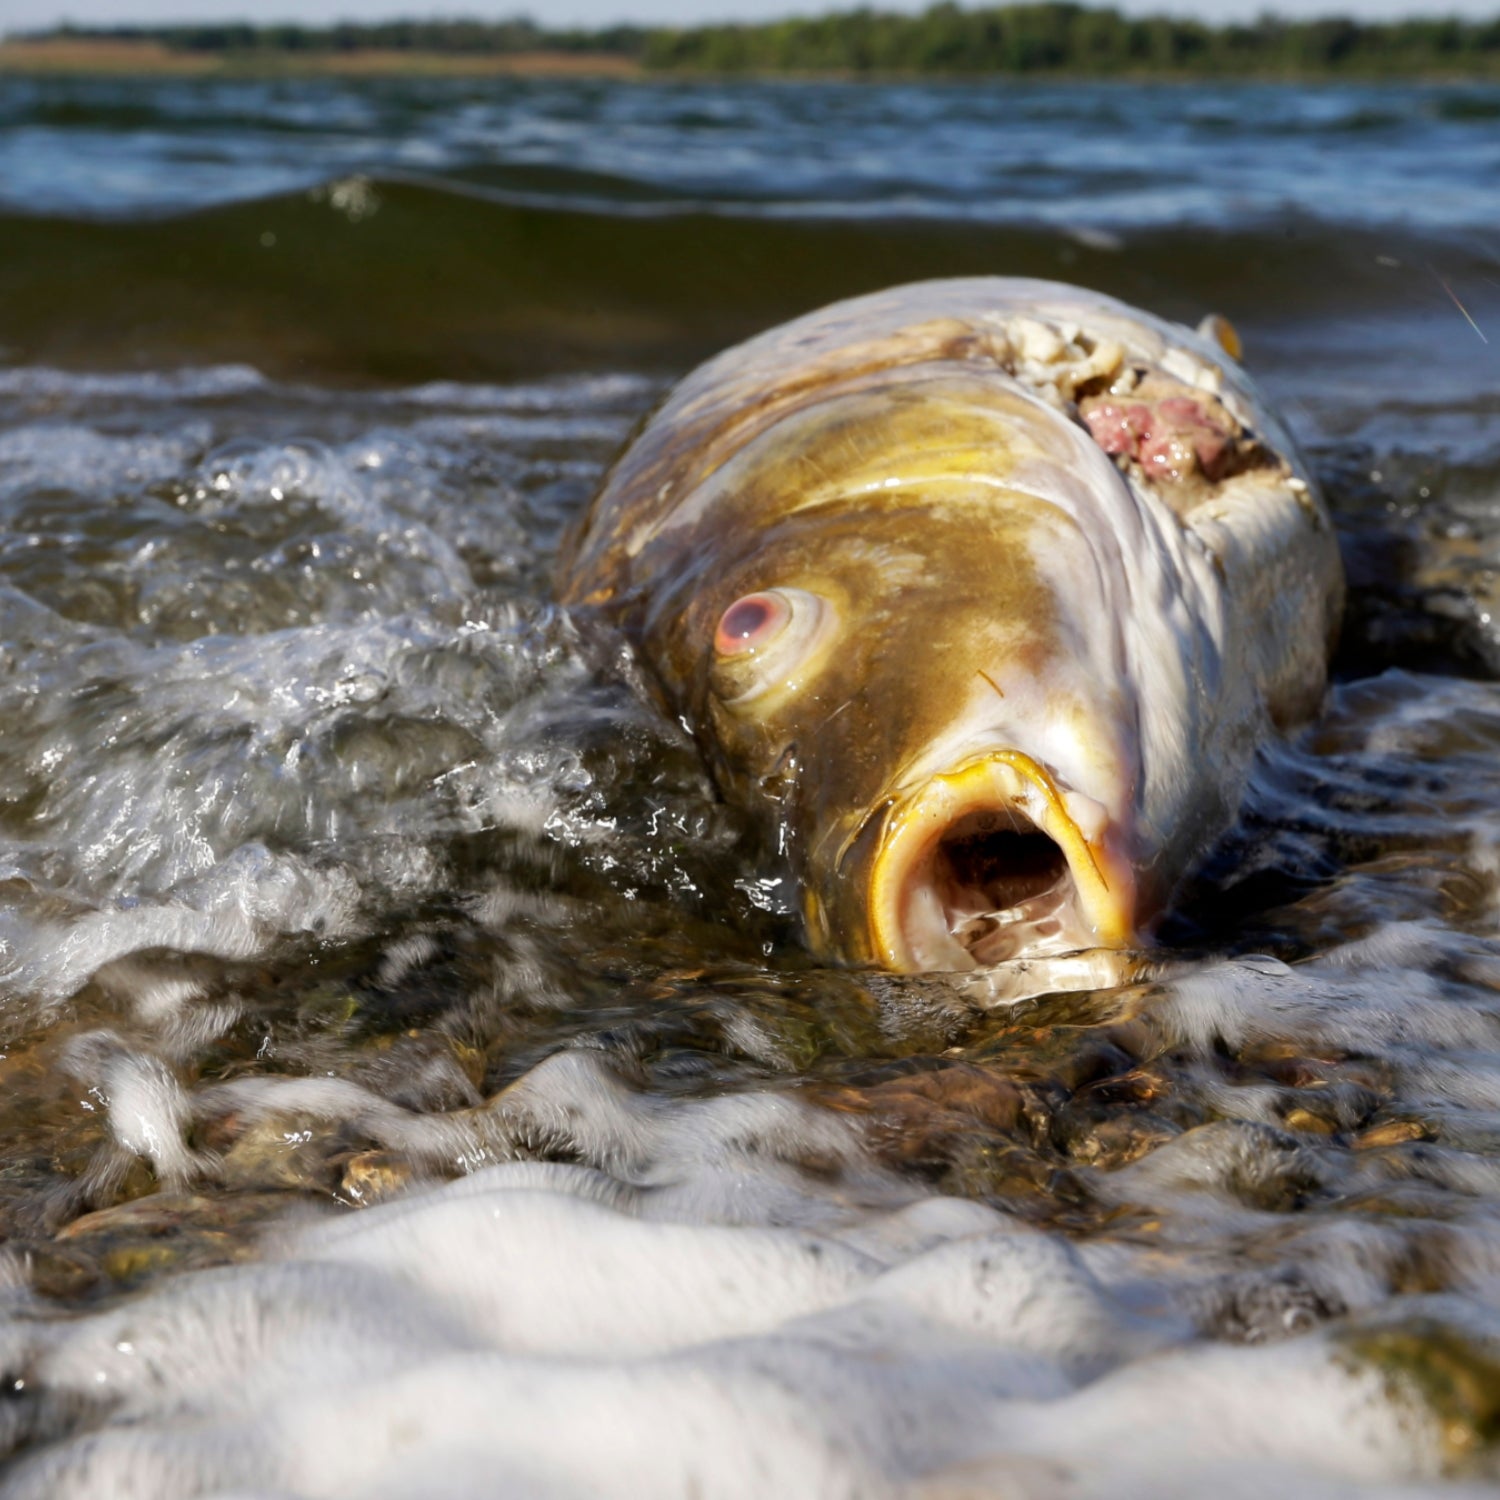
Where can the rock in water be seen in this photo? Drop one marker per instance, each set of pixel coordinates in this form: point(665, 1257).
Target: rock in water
point(985, 592)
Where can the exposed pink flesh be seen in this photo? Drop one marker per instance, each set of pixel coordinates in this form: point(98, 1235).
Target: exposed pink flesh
point(1171, 438)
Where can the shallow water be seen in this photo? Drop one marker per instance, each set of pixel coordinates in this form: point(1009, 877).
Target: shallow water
point(413, 1083)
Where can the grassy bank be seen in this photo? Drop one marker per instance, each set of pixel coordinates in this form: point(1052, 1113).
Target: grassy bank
point(112, 55)
point(1059, 40)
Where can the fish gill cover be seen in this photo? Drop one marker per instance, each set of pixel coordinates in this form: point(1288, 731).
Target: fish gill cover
point(413, 1082)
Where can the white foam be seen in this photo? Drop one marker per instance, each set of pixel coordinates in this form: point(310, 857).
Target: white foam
point(200, 383)
point(727, 1296)
point(147, 1105)
point(564, 395)
point(232, 912)
point(92, 463)
point(518, 1333)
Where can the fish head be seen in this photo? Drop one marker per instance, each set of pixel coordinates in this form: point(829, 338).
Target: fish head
point(890, 629)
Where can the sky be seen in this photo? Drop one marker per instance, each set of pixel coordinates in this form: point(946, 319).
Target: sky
point(25, 15)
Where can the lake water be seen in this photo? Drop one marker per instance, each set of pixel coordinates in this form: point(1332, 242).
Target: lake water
point(413, 1083)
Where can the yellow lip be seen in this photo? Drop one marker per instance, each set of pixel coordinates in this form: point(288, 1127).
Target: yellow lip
point(1102, 878)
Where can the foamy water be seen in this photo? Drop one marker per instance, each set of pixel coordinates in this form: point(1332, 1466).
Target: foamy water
point(413, 1084)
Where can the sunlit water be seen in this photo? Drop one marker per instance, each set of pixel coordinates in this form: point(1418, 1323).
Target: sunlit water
point(413, 1083)
point(1123, 155)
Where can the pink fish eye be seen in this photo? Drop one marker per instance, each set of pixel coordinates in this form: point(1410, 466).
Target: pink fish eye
point(750, 623)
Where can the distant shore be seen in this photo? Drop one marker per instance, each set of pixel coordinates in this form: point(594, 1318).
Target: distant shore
point(87, 58)
point(1056, 39)
point(106, 55)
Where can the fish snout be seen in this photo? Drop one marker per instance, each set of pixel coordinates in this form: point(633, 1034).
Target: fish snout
point(992, 860)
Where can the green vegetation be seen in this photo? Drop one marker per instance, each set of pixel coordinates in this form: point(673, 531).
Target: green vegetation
point(443, 38)
point(1064, 38)
point(946, 39)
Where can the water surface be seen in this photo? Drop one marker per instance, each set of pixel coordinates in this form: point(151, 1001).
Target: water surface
point(413, 1081)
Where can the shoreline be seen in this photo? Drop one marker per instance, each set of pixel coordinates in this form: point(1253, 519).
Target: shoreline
point(88, 57)
point(102, 57)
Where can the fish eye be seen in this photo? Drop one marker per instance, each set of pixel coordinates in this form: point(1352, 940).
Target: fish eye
point(752, 622)
point(768, 641)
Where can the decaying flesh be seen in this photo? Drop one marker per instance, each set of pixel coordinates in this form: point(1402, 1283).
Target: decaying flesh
point(985, 592)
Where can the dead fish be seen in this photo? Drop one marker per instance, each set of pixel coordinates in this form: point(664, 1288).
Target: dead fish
point(985, 592)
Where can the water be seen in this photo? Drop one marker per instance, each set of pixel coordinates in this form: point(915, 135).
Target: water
point(412, 1082)
point(1117, 155)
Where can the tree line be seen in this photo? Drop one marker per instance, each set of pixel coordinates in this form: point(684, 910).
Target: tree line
point(1052, 38)
point(452, 38)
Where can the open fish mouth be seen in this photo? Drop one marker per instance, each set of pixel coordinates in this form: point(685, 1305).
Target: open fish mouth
point(991, 859)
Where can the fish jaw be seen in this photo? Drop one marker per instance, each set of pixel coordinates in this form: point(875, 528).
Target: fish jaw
point(991, 859)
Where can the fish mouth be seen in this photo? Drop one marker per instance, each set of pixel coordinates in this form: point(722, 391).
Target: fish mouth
point(991, 861)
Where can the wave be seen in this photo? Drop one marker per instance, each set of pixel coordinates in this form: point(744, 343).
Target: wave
point(397, 282)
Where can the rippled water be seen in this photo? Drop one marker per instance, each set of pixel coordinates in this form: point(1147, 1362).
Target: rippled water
point(1121, 155)
point(413, 1083)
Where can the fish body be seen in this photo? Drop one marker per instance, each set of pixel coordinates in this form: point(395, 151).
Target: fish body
point(984, 592)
